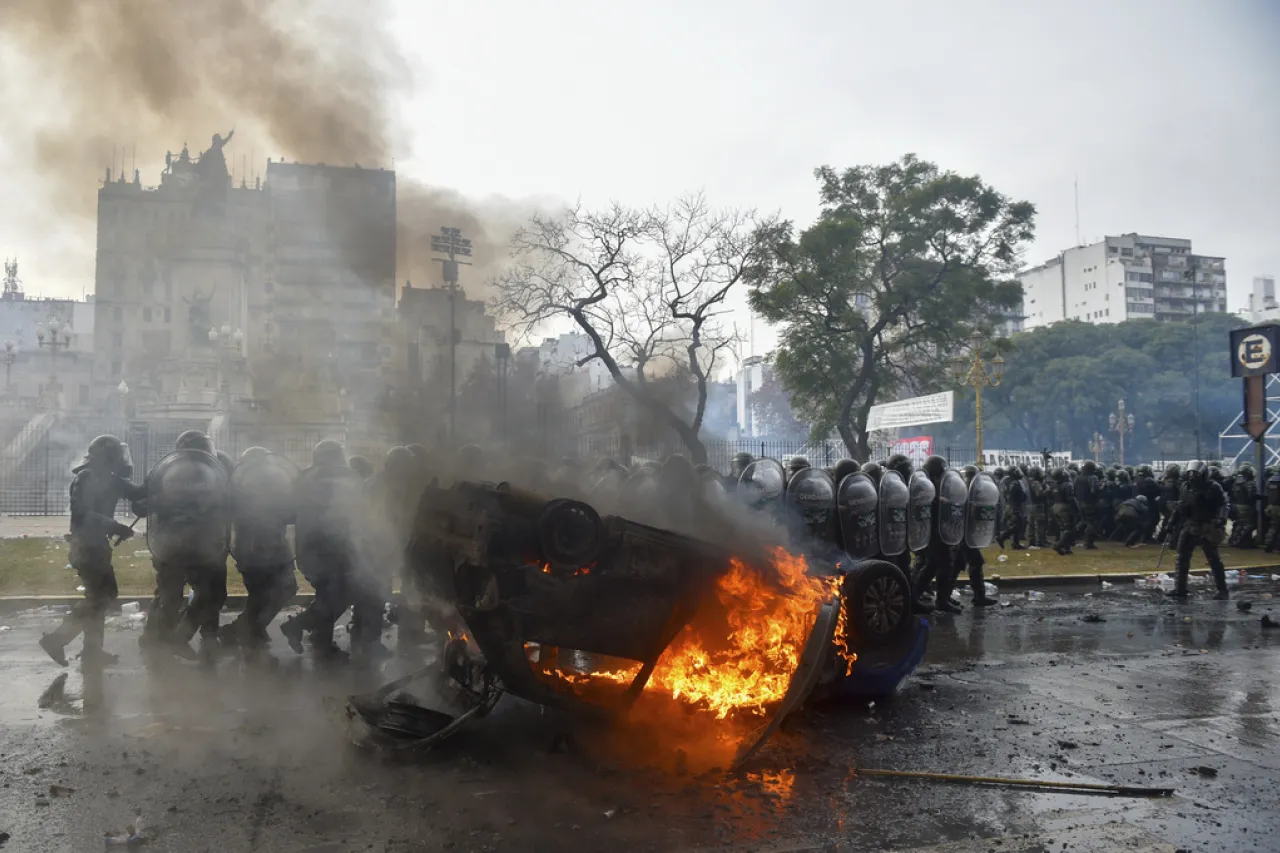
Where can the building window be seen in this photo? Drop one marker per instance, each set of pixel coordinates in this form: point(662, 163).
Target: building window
point(1108, 312)
point(1126, 253)
point(146, 315)
point(117, 314)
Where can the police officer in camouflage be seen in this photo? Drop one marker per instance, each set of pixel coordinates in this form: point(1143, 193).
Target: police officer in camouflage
point(1065, 510)
point(1016, 497)
point(1244, 495)
point(1202, 511)
point(1038, 503)
point(100, 482)
point(1088, 494)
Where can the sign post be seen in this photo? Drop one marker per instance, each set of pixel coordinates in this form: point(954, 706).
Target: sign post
point(1254, 351)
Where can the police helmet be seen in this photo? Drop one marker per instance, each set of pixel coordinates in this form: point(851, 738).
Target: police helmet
point(328, 452)
point(1015, 472)
point(901, 463)
point(969, 472)
point(1144, 470)
point(1122, 477)
point(1246, 470)
point(1059, 475)
point(843, 469)
point(999, 472)
point(1197, 471)
point(1142, 499)
point(934, 467)
point(194, 439)
point(1036, 472)
point(398, 462)
point(361, 465)
point(739, 463)
point(108, 453)
point(874, 471)
point(252, 453)
point(226, 460)
point(797, 463)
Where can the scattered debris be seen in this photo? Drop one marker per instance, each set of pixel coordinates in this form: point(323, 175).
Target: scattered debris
point(1268, 622)
point(1068, 744)
point(611, 812)
point(4, 838)
point(1205, 772)
point(1092, 617)
point(1244, 606)
point(60, 791)
point(131, 837)
point(1073, 787)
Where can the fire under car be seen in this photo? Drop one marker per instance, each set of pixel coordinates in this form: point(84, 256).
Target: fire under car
point(585, 612)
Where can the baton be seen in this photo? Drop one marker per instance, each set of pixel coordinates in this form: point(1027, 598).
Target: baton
point(120, 538)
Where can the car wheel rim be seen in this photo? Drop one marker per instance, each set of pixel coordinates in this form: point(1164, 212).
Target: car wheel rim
point(884, 605)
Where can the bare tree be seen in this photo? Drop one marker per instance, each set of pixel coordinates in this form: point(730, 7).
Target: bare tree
point(649, 289)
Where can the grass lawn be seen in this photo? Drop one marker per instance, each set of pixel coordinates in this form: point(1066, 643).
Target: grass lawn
point(38, 566)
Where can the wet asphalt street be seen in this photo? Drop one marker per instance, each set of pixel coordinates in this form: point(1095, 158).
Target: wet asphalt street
point(1153, 694)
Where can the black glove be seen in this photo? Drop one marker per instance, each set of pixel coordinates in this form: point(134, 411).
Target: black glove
point(122, 531)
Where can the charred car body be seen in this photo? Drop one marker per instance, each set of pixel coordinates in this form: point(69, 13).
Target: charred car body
point(541, 584)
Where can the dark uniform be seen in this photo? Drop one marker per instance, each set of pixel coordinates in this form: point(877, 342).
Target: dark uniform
point(1170, 490)
point(1088, 493)
point(1065, 510)
point(1131, 519)
point(1203, 511)
point(1273, 513)
point(203, 567)
point(1014, 490)
point(100, 483)
point(329, 510)
point(963, 557)
point(935, 561)
point(1146, 486)
point(1244, 495)
point(263, 555)
point(1038, 516)
point(393, 500)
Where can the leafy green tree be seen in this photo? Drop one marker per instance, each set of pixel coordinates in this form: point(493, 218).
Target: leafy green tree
point(904, 263)
point(774, 414)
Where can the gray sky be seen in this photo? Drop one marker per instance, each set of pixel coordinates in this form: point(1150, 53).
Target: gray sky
point(1167, 112)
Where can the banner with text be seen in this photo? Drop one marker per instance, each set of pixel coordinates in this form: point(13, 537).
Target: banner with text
point(917, 449)
point(1005, 458)
point(933, 409)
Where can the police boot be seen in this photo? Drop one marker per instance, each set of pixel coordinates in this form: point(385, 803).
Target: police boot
point(292, 628)
point(54, 648)
point(980, 598)
point(1179, 591)
point(93, 653)
point(1220, 581)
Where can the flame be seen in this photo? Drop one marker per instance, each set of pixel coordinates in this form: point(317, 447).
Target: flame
point(743, 658)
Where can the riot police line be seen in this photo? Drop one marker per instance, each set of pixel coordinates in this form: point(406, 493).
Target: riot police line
point(352, 527)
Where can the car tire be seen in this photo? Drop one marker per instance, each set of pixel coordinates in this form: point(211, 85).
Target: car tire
point(570, 533)
point(877, 598)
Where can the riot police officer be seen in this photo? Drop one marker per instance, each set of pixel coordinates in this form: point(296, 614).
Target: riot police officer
point(101, 481)
point(901, 463)
point(1273, 511)
point(937, 556)
point(1088, 493)
point(187, 525)
point(262, 508)
point(843, 468)
point(393, 500)
point(1170, 490)
point(795, 465)
point(1014, 490)
point(1131, 519)
point(361, 466)
point(1145, 485)
point(1065, 510)
point(1202, 509)
point(330, 509)
point(972, 559)
point(1039, 508)
point(1244, 494)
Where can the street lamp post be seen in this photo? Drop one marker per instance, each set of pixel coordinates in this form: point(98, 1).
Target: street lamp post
point(451, 242)
point(1121, 424)
point(1096, 446)
point(10, 356)
point(977, 373)
point(54, 334)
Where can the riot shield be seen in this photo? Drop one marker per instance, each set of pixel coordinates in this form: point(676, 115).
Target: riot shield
point(762, 483)
point(953, 494)
point(895, 498)
point(262, 503)
point(330, 510)
point(811, 504)
point(920, 514)
point(188, 509)
point(712, 485)
point(857, 504)
point(640, 490)
point(982, 516)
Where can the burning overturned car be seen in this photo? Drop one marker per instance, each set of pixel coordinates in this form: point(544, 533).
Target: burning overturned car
point(571, 609)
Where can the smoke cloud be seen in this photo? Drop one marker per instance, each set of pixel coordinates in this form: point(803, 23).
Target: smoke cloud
point(308, 81)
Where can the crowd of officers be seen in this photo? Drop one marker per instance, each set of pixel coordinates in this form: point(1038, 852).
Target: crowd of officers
point(351, 549)
point(1187, 508)
point(351, 525)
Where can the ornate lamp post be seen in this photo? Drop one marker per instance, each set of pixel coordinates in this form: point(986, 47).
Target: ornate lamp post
point(974, 371)
point(1097, 446)
point(53, 334)
point(1121, 424)
point(10, 356)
